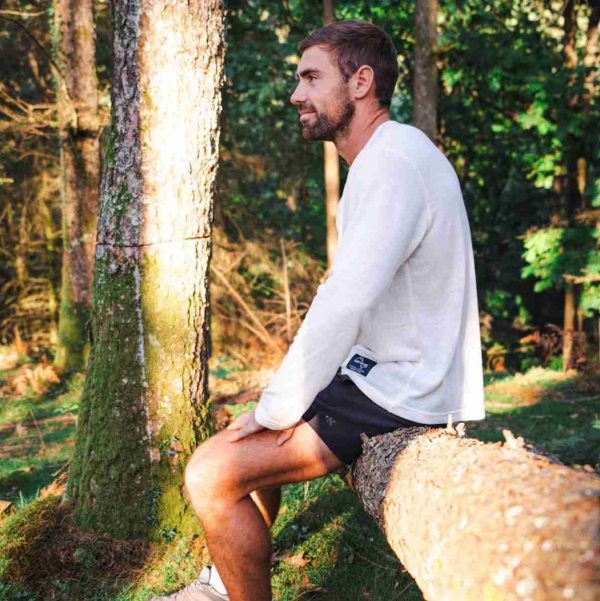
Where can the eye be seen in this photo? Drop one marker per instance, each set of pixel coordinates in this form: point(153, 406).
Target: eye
point(311, 77)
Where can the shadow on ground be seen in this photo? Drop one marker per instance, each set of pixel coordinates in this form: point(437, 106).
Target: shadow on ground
point(559, 414)
point(332, 550)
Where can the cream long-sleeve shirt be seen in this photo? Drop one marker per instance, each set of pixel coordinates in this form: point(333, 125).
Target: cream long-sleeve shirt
point(398, 312)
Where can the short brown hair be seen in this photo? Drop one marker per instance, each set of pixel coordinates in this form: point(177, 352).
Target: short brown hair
point(357, 43)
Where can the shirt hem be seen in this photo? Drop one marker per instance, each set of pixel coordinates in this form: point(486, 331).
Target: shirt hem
point(424, 417)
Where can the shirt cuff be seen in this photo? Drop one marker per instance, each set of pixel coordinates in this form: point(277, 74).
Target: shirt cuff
point(261, 416)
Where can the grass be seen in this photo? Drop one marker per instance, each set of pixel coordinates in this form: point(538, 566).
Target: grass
point(559, 413)
point(37, 434)
point(325, 547)
point(340, 552)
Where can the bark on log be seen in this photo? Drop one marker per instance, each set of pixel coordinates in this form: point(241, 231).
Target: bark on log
point(473, 521)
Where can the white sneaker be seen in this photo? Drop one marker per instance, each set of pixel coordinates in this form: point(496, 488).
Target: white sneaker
point(199, 590)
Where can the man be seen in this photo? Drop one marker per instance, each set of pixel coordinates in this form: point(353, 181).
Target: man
point(392, 337)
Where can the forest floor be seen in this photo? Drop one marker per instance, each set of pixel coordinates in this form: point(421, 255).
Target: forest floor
point(325, 547)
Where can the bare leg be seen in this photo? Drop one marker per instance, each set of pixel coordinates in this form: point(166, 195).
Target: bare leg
point(220, 478)
point(241, 551)
point(268, 501)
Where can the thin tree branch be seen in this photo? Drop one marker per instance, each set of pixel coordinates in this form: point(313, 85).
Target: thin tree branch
point(16, 13)
point(39, 45)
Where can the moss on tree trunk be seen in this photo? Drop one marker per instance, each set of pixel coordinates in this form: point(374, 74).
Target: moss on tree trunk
point(144, 407)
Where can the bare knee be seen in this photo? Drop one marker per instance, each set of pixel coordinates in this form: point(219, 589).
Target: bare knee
point(210, 478)
point(201, 475)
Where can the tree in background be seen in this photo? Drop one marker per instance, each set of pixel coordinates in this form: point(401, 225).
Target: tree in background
point(144, 406)
point(29, 211)
point(504, 120)
point(77, 102)
point(425, 69)
point(564, 254)
point(331, 168)
point(571, 183)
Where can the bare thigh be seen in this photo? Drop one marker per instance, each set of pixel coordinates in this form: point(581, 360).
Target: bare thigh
point(235, 469)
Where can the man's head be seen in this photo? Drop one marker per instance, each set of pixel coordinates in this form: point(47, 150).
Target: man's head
point(342, 64)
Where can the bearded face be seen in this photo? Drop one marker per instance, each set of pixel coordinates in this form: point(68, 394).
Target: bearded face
point(331, 119)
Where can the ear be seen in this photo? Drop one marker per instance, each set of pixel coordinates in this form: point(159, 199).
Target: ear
point(362, 82)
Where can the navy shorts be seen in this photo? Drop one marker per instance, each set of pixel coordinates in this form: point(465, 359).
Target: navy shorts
point(341, 412)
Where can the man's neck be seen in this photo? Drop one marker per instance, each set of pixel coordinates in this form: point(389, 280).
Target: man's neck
point(358, 134)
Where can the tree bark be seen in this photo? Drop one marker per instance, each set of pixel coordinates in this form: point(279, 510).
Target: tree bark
point(144, 406)
point(77, 98)
point(472, 521)
point(331, 168)
point(568, 327)
point(425, 90)
point(590, 59)
point(568, 185)
point(590, 86)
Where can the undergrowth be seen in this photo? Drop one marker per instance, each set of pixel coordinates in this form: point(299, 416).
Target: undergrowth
point(324, 546)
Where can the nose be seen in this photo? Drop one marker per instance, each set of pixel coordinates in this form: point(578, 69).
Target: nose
point(298, 96)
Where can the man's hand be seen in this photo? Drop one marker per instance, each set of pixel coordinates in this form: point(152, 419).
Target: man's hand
point(286, 434)
point(243, 426)
point(246, 424)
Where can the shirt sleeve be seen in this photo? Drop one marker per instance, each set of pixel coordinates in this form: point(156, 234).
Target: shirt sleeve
point(386, 223)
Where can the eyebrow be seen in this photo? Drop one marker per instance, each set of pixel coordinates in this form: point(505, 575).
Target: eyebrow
point(308, 71)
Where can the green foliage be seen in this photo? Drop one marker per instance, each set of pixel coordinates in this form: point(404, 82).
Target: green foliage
point(510, 115)
point(12, 592)
point(322, 524)
point(553, 252)
point(270, 179)
point(590, 296)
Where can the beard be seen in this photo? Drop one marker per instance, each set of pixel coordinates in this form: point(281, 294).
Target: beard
point(329, 127)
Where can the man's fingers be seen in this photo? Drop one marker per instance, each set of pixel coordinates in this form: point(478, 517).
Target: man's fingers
point(239, 423)
point(240, 432)
point(237, 435)
point(285, 435)
point(244, 426)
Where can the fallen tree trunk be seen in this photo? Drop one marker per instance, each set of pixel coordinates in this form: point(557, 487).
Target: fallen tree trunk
point(473, 521)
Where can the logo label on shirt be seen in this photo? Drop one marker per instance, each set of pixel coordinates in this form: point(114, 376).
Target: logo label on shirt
point(361, 365)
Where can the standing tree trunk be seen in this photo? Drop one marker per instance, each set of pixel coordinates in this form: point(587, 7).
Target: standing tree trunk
point(590, 91)
point(590, 59)
point(472, 521)
point(331, 169)
point(77, 98)
point(144, 406)
point(425, 89)
point(568, 327)
point(571, 185)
